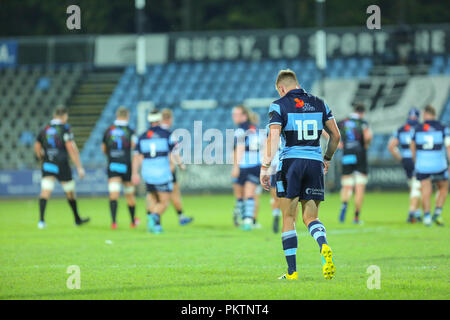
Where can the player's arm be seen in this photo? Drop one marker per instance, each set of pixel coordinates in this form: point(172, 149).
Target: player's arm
point(74, 154)
point(447, 143)
point(367, 135)
point(38, 150)
point(412, 146)
point(393, 148)
point(135, 167)
point(335, 137)
point(325, 135)
point(270, 149)
point(103, 146)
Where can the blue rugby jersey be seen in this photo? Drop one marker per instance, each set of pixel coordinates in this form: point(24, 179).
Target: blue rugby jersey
point(404, 135)
point(302, 117)
point(155, 145)
point(248, 135)
point(430, 138)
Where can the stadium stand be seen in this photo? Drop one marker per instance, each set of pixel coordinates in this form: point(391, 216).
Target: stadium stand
point(228, 82)
point(93, 97)
point(29, 95)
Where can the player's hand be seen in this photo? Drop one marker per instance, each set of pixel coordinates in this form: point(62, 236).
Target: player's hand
point(135, 179)
point(264, 179)
point(81, 172)
point(182, 166)
point(235, 172)
point(326, 164)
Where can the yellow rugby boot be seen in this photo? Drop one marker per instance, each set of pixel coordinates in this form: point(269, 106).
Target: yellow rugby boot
point(327, 262)
point(293, 276)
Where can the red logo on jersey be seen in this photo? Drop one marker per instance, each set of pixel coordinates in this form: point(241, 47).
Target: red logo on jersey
point(299, 103)
point(149, 133)
point(426, 127)
point(407, 127)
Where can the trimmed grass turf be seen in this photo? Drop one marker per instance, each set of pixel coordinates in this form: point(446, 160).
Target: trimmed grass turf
point(211, 259)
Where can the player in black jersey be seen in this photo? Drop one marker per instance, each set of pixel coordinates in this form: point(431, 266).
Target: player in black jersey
point(53, 147)
point(355, 139)
point(118, 141)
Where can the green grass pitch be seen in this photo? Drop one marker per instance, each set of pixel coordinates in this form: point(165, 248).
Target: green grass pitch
point(211, 259)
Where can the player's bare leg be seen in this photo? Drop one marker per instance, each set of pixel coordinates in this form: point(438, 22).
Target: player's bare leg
point(238, 210)
point(256, 210)
point(249, 207)
point(276, 211)
point(347, 183)
point(360, 189)
point(289, 236)
point(310, 212)
point(427, 190)
point(47, 186)
point(440, 201)
point(69, 189)
point(176, 201)
point(114, 185)
point(128, 190)
point(414, 201)
point(159, 201)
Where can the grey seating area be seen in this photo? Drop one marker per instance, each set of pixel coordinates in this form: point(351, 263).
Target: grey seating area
point(28, 96)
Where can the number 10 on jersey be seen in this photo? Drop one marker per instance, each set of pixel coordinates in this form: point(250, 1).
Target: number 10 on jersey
point(304, 127)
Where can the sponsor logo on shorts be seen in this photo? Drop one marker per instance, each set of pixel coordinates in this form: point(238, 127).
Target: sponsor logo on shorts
point(314, 192)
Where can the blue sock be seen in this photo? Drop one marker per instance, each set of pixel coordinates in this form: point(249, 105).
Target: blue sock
point(418, 213)
point(249, 208)
point(318, 232)
point(276, 212)
point(411, 214)
point(437, 211)
point(289, 239)
point(240, 206)
point(156, 218)
point(343, 211)
point(426, 214)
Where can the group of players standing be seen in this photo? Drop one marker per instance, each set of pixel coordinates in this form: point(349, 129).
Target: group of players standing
point(126, 155)
point(296, 123)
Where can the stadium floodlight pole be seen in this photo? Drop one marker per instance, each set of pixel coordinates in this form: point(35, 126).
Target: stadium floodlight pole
point(321, 49)
point(140, 40)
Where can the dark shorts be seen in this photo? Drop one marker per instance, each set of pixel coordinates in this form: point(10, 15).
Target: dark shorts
point(248, 175)
point(301, 178)
point(167, 187)
point(408, 165)
point(356, 162)
point(273, 181)
point(122, 170)
point(440, 176)
point(61, 171)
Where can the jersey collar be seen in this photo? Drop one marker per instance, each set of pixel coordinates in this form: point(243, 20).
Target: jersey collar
point(354, 115)
point(56, 121)
point(297, 91)
point(120, 123)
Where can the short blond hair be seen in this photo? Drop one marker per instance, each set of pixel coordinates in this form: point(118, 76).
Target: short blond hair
point(122, 112)
point(286, 77)
point(166, 114)
point(254, 117)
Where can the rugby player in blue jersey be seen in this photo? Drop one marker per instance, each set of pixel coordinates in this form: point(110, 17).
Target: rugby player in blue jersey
point(299, 118)
point(399, 146)
point(246, 167)
point(430, 149)
point(151, 156)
